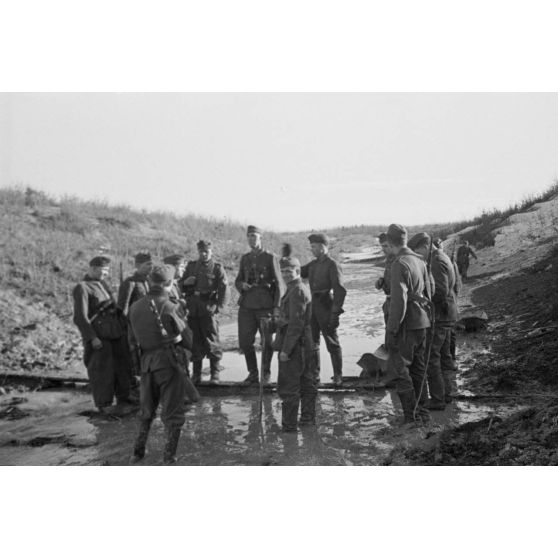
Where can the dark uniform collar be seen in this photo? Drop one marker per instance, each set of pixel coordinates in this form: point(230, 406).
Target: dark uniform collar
point(256, 251)
point(157, 290)
point(323, 257)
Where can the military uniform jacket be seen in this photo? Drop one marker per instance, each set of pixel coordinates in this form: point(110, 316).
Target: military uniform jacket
point(132, 289)
point(260, 269)
point(145, 331)
point(90, 296)
point(326, 282)
point(295, 316)
point(444, 291)
point(387, 274)
point(409, 281)
point(463, 253)
point(210, 292)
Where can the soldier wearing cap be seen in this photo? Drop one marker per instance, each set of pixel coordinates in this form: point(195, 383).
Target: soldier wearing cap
point(296, 383)
point(383, 282)
point(261, 287)
point(206, 288)
point(163, 340)
point(463, 253)
point(440, 365)
point(328, 295)
point(136, 286)
point(104, 336)
point(408, 320)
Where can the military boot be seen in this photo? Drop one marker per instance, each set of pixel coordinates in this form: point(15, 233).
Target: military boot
point(289, 415)
point(197, 372)
point(437, 392)
point(316, 365)
point(408, 403)
point(141, 441)
point(337, 363)
point(173, 435)
point(450, 385)
point(215, 369)
point(307, 409)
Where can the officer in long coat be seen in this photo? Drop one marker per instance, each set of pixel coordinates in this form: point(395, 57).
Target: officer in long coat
point(261, 287)
point(408, 321)
point(296, 383)
point(206, 288)
point(103, 333)
point(163, 339)
point(325, 279)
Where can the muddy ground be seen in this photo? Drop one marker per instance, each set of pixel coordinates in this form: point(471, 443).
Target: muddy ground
point(492, 423)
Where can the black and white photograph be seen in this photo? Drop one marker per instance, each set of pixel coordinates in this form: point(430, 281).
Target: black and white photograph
point(278, 278)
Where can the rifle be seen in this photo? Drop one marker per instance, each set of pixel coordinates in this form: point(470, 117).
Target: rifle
point(121, 274)
point(263, 333)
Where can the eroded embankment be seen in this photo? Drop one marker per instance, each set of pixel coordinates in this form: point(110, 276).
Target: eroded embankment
point(521, 366)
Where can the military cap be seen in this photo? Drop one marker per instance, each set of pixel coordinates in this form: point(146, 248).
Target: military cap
point(382, 237)
point(319, 238)
point(175, 260)
point(99, 261)
point(204, 244)
point(253, 229)
point(418, 240)
point(142, 257)
point(289, 261)
point(396, 232)
point(162, 273)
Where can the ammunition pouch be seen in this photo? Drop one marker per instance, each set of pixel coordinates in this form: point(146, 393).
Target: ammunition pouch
point(108, 322)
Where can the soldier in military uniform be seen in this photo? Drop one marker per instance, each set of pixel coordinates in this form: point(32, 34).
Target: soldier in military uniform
point(383, 282)
point(296, 384)
point(104, 336)
point(163, 339)
point(206, 289)
point(328, 295)
point(176, 295)
point(440, 364)
point(136, 286)
point(408, 321)
point(463, 253)
point(260, 286)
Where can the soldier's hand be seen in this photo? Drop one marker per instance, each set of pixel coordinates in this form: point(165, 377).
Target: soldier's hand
point(245, 286)
point(380, 283)
point(96, 343)
point(190, 281)
point(283, 357)
point(276, 313)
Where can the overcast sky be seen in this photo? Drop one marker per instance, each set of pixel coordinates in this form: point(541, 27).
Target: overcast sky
point(286, 161)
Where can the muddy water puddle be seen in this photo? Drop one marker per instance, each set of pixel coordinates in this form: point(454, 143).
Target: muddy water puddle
point(57, 427)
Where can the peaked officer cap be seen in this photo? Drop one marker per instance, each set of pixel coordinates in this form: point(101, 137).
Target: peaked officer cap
point(99, 261)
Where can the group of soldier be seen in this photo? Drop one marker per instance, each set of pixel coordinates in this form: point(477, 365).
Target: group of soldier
point(166, 317)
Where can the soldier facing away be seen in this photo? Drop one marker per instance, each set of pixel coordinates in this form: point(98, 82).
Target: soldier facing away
point(136, 286)
point(206, 289)
point(383, 282)
point(163, 340)
point(407, 323)
point(440, 365)
point(261, 287)
point(296, 383)
point(328, 295)
point(103, 333)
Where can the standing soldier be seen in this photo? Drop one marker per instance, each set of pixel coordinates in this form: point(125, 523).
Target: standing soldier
point(383, 282)
point(463, 253)
point(206, 289)
point(175, 294)
point(407, 323)
point(136, 286)
point(328, 295)
point(260, 286)
point(296, 383)
point(162, 338)
point(104, 336)
point(440, 364)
